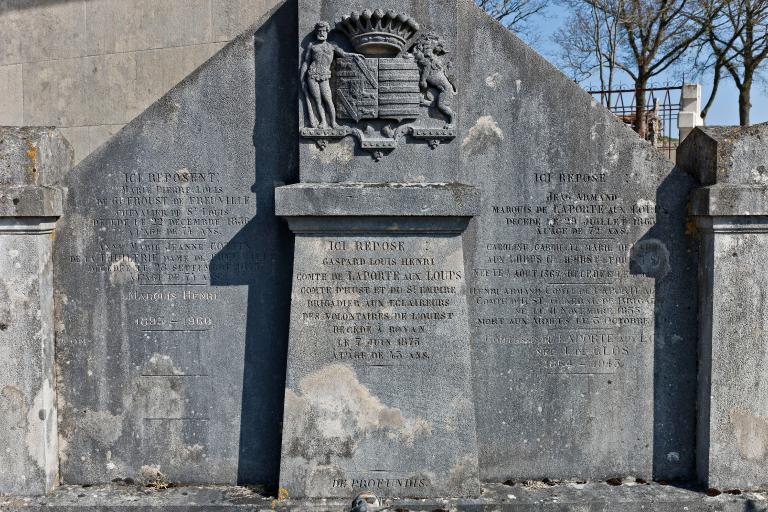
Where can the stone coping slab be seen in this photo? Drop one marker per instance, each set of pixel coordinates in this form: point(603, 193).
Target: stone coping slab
point(730, 200)
point(30, 201)
point(33, 155)
point(726, 154)
point(378, 199)
point(535, 496)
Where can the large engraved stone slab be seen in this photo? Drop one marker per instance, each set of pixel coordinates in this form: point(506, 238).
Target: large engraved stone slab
point(172, 280)
point(582, 276)
point(378, 391)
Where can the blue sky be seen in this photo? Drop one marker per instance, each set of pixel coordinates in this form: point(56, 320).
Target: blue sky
point(725, 110)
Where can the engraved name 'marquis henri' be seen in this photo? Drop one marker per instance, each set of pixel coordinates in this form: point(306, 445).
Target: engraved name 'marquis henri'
point(395, 75)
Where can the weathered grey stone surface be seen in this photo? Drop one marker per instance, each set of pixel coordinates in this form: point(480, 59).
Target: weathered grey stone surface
point(28, 213)
point(534, 497)
point(552, 168)
point(732, 440)
point(378, 392)
point(582, 279)
point(109, 61)
point(367, 199)
point(33, 156)
point(727, 155)
point(173, 278)
point(28, 459)
point(30, 201)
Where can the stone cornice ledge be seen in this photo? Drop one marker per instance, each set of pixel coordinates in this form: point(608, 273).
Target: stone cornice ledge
point(377, 200)
point(730, 201)
point(18, 201)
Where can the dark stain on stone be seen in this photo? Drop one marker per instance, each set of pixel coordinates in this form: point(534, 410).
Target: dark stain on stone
point(176, 385)
point(314, 448)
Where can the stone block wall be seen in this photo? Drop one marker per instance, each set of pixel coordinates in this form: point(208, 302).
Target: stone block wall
point(90, 66)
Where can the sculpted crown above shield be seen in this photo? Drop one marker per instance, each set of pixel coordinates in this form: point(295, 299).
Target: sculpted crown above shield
point(382, 92)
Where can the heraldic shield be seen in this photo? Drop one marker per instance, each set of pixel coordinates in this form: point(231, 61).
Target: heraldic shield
point(392, 76)
point(382, 88)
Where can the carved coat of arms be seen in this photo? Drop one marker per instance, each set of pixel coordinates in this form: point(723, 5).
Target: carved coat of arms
point(380, 93)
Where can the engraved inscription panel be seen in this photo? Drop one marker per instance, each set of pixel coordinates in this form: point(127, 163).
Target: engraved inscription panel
point(582, 277)
point(162, 242)
point(587, 311)
point(173, 280)
point(563, 295)
point(379, 368)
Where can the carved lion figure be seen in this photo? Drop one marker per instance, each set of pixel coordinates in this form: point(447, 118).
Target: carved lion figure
point(429, 51)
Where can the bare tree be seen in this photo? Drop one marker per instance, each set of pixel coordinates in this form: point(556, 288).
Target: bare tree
point(654, 35)
point(658, 33)
point(514, 14)
point(589, 43)
point(736, 34)
point(702, 62)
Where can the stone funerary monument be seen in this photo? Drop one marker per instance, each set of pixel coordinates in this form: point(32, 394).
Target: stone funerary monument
point(382, 248)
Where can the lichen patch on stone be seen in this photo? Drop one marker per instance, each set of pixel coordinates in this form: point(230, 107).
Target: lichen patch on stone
point(333, 411)
point(340, 153)
point(462, 474)
point(150, 474)
point(161, 364)
point(123, 271)
point(482, 137)
point(751, 434)
point(493, 80)
point(650, 258)
point(102, 426)
point(183, 175)
point(760, 175)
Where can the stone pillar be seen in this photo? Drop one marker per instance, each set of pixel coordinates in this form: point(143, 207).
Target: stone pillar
point(31, 160)
point(690, 110)
point(378, 392)
point(731, 213)
point(379, 384)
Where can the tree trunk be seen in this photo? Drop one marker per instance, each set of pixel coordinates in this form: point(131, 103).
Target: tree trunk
point(745, 105)
point(715, 87)
point(641, 84)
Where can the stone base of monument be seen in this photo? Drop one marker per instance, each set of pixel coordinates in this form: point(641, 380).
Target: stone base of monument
point(378, 389)
point(533, 496)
